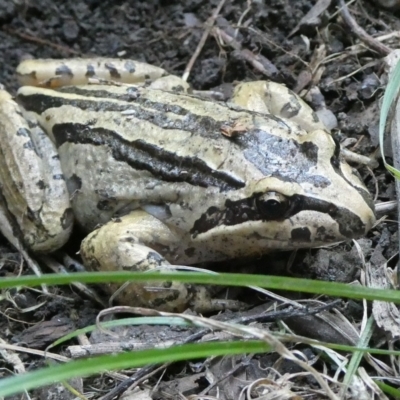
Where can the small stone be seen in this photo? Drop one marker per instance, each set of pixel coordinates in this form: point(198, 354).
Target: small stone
point(70, 30)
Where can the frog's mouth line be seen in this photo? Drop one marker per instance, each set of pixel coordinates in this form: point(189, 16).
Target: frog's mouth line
point(241, 211)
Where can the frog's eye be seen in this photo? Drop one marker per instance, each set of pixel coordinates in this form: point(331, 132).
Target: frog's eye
point(272, 205)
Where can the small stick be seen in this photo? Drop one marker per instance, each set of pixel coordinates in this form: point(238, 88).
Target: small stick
point(258, 61)
point(12, 358)
point(360, 32)
point(37, 40)
point(208, 25)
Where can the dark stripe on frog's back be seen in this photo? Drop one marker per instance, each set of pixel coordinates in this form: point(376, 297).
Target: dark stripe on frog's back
point(149, 110)
point(155, 113)
point(142, 155)
point(258, 146)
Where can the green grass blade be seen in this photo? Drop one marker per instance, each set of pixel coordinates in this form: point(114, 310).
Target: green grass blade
point(57, 373)
point(265, 281)
point(358, 355)
point(391, 92)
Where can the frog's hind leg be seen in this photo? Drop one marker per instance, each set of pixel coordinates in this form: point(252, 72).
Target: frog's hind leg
point(273, 98)
point(140, 242)
point(79, 71)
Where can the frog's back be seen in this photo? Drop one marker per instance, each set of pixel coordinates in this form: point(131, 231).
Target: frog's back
point(139, 146)
point(125, 147)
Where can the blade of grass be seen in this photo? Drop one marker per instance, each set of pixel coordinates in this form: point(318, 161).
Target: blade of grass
point(271, 282)
point(57, 373)
point(358, 355)
point(390, 390)
point(391, 92)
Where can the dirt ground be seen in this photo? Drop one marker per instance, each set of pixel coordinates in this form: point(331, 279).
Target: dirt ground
point(315, 55)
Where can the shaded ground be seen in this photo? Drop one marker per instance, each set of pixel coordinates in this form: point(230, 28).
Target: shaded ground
point(315, 53)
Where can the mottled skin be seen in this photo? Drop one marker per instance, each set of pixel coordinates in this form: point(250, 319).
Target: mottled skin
point(154, 167)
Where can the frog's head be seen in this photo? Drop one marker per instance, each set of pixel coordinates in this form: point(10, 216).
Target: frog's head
point(308, 196)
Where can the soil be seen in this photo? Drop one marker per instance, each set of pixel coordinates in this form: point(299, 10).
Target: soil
point(315, 55)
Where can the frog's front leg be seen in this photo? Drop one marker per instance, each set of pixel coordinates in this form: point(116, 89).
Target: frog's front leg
point(273, 98)
point(140, 242)
point(33, 193)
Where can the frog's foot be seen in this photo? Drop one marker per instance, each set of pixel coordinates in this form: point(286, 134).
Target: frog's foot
point(140, 242)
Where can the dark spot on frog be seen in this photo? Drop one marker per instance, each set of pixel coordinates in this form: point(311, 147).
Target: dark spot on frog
point(29, 145)
point(128, 239)
point(315, 117)
point(64, 70)
point(166, 285)
point(146, 76)
point(32, 215)
point(16, 230)
point(67, 218)
point(335, 159)
point(310, 150)
point(154, 259)
point(350, 225)
point(190, 251)
point(291, 108)
point(58, 177)
point(74, 183)
point(130, 66)
point(30, 122)
point(112, 70)
point(133, 93)
point(172, 296)
point(90, 71)
point(178, 89)
point(40, 184)
point(104, 205)
point(323, 235)
point(23, 132)
point(320, 181)
point(301, 235)
point(93, 264)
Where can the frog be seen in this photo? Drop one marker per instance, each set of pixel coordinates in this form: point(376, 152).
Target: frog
point(158, 176)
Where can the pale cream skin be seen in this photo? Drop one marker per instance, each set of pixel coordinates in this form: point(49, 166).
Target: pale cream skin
point(152, 169)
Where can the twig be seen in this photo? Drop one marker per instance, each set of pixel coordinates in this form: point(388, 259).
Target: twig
point(40, 41)
point(36, 352)
point(360, 32)
point(245, 12)
point(259, 62)
point(60, 269)
point(140, 376)
point(245, 362)
point(208, 26)
point(10, 357)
